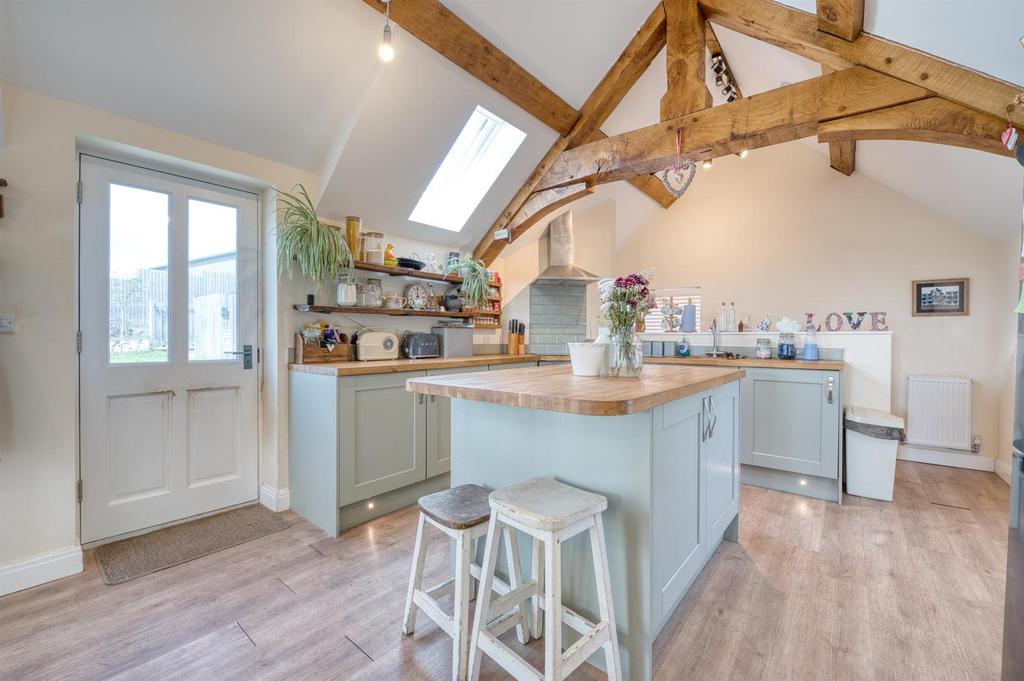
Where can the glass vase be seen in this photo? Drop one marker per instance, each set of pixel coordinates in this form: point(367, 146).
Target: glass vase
point(627, 357)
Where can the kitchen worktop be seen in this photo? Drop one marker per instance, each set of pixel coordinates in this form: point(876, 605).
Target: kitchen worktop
point(555, 388)
point(820, 365)
point(392, 366)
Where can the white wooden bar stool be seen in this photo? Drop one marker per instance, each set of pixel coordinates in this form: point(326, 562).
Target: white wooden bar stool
point(461, 513)
point(550, 512)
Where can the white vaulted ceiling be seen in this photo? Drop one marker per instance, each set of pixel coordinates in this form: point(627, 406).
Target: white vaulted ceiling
point(298, 82)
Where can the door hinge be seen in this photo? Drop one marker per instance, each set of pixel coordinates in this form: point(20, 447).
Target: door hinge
point(78, 192)
point(78, 342)
point(78, 489)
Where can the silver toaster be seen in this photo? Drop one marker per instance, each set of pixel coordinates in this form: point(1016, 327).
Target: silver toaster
point(419, 345)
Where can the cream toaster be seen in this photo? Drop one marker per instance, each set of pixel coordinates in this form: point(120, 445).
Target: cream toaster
point(377, 345)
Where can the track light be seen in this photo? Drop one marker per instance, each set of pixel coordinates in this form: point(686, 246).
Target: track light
point(706, 164)
point(386, 52)
point(743, 154)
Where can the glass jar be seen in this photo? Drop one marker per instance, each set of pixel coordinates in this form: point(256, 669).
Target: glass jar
point(787, 346)
point(763, 349)
point(627, 357)
point(373, 247)
point(374, 293)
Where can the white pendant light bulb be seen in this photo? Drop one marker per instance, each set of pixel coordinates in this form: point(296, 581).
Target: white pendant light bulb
point(386, 52)
point(707, 164)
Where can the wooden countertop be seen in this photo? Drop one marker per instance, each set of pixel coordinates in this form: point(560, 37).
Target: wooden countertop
point(555, 388)
point(820, 365)
point(393, 366)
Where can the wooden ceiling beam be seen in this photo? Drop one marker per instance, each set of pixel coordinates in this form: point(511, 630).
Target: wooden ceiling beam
point(545, 203)
point(842, 156)
point(624, 73)
point(933, 120)
point(841, 18)
point(765, 119)
point(797, 31)
point(443, 31)
point(684, 60)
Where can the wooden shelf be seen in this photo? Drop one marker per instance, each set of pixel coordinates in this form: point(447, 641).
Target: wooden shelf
point(328, 309)
point(408, 272)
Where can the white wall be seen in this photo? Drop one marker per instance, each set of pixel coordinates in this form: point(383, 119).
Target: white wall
point(38, 364)
point(781, 232)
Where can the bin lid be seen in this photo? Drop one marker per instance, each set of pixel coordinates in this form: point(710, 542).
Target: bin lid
point(873, 417)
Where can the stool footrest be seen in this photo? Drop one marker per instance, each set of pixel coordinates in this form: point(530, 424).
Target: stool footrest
point(581, 650)
point(508, 659)
point(430, 607)
point(573, 619)
point(513, 598)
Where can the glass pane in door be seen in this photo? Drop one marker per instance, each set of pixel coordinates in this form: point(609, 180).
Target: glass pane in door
point(212, 280)
point(137, 290)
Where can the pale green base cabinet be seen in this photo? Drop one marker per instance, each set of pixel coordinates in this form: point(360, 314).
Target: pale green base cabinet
point(362, 446)
point(791, 432)
point(673, 495)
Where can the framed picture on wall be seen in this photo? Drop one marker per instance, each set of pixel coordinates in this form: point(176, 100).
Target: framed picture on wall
point(942, 297)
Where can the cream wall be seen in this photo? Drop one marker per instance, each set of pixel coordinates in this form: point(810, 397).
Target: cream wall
point(781, 232)
point(38, 364)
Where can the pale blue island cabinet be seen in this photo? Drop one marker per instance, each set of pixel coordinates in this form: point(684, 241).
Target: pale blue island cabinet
point(361, 446)
point(664, 450)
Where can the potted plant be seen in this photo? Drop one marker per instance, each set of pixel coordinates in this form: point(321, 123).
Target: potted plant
point(625, 301)
point(320, 249)
point(476, 280)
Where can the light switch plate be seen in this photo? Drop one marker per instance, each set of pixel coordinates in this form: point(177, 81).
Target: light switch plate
point(6, 322)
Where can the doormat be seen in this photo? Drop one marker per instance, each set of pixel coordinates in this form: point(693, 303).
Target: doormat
point(125, 560)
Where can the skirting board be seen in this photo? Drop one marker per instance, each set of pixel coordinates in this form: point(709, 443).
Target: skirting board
point(1003, 471)
point(944, 457)
point(276, 500)
point(40, 570)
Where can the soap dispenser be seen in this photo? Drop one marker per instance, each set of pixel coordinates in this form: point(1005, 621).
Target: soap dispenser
point(811, 344)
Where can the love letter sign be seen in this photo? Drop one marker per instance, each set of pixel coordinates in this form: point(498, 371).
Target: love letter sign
point(836, 321)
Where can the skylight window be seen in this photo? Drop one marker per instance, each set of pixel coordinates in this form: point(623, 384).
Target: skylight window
point(481, 151)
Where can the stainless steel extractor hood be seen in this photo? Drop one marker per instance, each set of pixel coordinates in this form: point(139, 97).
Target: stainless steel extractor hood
point(560, 253)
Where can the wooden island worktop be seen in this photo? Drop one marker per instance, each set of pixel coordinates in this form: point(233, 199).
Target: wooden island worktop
point(555, 388)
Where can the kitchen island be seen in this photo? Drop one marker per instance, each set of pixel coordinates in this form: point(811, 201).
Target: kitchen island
point(662, 448)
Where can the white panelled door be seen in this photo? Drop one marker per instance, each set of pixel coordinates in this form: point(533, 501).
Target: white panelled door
point(168, 307)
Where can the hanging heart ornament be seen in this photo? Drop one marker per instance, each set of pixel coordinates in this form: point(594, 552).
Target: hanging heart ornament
point(677, 178)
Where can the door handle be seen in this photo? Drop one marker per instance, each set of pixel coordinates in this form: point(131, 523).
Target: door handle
point(246, 353)
point(830, 389)
point(419, 398)
point(705, 418)
point(714, 415)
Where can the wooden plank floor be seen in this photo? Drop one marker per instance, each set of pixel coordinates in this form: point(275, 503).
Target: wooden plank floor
point(869, 591)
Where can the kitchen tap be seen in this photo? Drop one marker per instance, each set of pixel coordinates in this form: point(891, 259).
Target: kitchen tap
point(715, 352)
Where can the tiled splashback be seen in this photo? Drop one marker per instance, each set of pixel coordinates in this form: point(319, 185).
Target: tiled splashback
point(558, 315)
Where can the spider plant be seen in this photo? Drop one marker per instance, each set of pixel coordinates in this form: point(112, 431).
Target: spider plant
point(320, 249)
point(476, 282)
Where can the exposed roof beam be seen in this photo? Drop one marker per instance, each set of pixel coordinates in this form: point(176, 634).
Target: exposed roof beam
point(623, 74)
point(440, 29)
point(842, 156)
point(842, 18)
point(932, 120)
point(684, 60)
point(798, 32)
point(765, 119)
point(541, 205)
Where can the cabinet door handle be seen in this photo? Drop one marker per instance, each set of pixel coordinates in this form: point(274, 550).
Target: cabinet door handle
point(714, 415)
point(420, 398)
point(705, 419)
point(830, 390)
point(433, 398)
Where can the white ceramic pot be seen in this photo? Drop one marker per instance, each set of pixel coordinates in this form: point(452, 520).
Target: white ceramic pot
point(587, 358)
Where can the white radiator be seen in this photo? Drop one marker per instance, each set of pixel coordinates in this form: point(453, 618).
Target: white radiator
point(939, 412)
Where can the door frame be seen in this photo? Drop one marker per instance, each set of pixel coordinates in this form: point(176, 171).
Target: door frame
point(178, 171)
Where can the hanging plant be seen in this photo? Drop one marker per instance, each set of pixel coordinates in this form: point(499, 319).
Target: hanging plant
point(476, 280)
point(320, 249)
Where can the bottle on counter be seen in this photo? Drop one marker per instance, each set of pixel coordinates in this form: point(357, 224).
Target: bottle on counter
point(811, 344)
point(723, 319)
point(731, 325)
